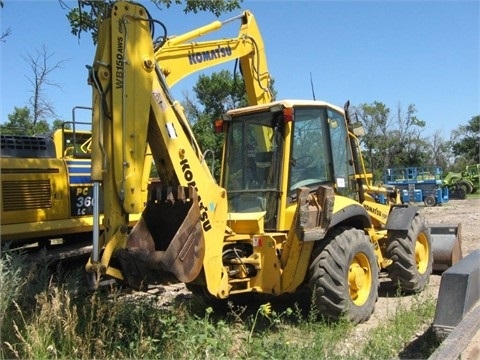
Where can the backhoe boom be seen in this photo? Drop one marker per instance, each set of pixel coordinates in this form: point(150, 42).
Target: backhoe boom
point(135, 114)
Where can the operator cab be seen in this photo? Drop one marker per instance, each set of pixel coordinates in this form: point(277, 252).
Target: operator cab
point(75, 143)
point(272, 150)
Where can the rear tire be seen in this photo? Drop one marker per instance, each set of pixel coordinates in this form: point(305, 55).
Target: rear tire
point(344, 275)
point(430, 201)
point(466, 186)
point(411, 253)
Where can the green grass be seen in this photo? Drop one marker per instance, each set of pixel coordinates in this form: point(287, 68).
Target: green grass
point(49, 314)
point(399, 331)
point(474, 195)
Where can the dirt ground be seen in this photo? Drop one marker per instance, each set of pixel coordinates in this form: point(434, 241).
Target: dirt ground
point(464, 212)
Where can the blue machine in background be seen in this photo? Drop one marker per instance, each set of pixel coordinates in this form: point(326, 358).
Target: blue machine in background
point(418, 184)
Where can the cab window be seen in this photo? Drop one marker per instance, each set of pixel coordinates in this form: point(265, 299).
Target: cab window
point(341, 152)
point(309, 163)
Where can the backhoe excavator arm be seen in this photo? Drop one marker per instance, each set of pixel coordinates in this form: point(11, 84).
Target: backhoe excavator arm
point(180, 56)
point(133, 109)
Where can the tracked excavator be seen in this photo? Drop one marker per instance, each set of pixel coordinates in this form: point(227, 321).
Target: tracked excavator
point(292, 208)
point(45, 188)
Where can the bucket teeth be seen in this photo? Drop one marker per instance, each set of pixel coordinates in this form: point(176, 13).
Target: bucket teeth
point(181, 194)
point(170, 197)
point(167, 238)
point(161, 193)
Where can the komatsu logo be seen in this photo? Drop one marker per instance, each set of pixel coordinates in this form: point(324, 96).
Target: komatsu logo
point(119, 64)
point(209, 55)
point(374, 211)
point(188, 176)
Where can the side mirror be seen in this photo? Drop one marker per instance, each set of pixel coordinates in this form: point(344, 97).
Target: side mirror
point(358, 130)
point(333, 123)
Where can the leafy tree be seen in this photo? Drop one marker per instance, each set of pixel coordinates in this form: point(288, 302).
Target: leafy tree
point(84, 17)
point(392, 141)
point(220, 92)
point(439, 151)
point(466, 141)
point(215, 94)
point(58, 124)
point(375, 120)
point(20, 122)
point(409, 148)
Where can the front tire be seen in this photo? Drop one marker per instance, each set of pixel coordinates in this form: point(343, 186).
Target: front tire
point(411, 253)
point(457, 192)
point(430, 201)
point(344, 275)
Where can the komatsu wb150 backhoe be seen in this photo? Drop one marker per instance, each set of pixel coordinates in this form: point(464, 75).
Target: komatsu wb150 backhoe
point(292, 207)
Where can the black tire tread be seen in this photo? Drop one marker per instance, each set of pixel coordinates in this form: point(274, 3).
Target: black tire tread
point(401, 249)
point(328, 274)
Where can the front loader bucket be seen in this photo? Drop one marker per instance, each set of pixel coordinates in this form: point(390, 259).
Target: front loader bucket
point(446, 245)
point(166, 241)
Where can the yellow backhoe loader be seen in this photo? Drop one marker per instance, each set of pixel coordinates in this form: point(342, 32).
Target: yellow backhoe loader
point(289, 211)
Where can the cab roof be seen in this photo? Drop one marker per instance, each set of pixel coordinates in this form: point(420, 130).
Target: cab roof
point(285, 103)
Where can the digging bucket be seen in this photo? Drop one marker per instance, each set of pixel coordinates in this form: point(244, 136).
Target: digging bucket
point(446, 245)
point(167, 241)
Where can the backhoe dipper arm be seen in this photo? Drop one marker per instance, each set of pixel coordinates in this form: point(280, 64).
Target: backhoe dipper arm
point(133, 109)
point(180, 56)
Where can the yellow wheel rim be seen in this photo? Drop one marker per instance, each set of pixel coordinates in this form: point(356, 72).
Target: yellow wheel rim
point(422, 253)
point(359, 279)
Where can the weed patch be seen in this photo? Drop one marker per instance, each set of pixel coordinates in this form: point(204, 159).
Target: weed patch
point(48, 313)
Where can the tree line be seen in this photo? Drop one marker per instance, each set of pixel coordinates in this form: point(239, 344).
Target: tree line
point(394, 137)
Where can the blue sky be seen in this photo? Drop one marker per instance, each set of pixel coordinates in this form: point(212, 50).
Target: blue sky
point(425, 53)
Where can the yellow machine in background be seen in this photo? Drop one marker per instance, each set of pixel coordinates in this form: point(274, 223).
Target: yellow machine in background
point(289, 211)
point(46, 189)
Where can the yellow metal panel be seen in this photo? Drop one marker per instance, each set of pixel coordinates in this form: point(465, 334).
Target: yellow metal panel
point(176, 148)
point(100, 76)
point(269, 270)
point(246, 223)
point(133, 70)
point(33, 190)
